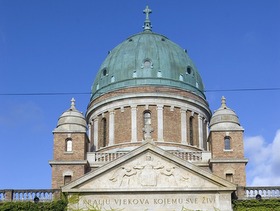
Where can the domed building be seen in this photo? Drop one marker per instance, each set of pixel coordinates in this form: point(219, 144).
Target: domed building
point(148, 140)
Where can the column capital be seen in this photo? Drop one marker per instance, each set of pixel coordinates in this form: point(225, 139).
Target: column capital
point(133, 106)
point(160, 107)
point(200, 117)
point(183, 110)
point(192, 113)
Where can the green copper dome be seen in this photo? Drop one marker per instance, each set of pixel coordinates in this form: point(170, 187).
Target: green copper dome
point(147, 59)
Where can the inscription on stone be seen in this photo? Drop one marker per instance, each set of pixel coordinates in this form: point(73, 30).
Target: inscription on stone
point(155, 202)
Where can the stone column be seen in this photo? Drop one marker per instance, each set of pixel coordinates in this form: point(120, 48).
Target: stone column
point(95, 133)
point(111, 127)
point(183, 126)
point(160, 122)
point(89, 135)
point(200, 131)
point(134, 123)
point(207, 133)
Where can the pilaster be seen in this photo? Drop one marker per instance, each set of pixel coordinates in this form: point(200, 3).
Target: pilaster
point(200, 131)
point(111, 127)
point(160, 122)
point(95, 133)
point(134, 123)
point(183, 126)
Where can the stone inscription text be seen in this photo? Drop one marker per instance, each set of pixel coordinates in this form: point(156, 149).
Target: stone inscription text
point(155, 201)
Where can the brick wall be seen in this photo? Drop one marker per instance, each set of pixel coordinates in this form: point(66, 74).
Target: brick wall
point(172, 124)
point(79, 146)
point(238, 170)
point(228, 161)
point(236, 141)
point(122, 125)
point(58, 170)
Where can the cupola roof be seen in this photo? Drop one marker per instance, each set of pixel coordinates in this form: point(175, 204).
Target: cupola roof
point(146, 59)
point(224, 118)
point(71, 120)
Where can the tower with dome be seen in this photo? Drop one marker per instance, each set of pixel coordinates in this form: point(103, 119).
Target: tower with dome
point(148, 139)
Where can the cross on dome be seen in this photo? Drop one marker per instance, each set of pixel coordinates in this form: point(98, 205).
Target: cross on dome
point(147, 24)
point(147, 10)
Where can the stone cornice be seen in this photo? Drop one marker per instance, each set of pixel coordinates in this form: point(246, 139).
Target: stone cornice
point(68, 162)
point(228, 161)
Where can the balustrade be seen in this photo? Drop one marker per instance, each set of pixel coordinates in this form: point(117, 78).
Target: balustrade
point(2, 195)
point(29, 195)
point(106, 157)
point(45, 195)
point(265, 192)
point(100, 157)
point(189, 156)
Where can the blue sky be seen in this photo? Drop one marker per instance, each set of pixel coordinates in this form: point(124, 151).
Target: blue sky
point(57, 47)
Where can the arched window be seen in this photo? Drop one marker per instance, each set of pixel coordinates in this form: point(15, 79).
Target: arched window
point(191, 130)
point(68, 145)
point(104, 132)
point(227, 143)
point(147, 118)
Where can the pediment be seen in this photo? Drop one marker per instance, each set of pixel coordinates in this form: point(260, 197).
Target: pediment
point(148, 168)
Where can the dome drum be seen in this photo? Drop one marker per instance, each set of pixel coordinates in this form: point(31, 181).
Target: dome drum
point(119, 121)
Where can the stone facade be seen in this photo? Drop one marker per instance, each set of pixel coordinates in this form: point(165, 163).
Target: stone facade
point(148, 178)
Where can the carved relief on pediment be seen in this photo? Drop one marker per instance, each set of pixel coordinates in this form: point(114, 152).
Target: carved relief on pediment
point(149, 174)
point(148, 171)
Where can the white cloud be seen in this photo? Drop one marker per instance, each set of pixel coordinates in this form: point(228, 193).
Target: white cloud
point(263, 168)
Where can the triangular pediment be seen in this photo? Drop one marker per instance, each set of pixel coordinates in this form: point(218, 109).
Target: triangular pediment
point(148, 168)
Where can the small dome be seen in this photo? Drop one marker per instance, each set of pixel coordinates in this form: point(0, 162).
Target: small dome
point(71, 120)
point(147, 59)
point(224, 119)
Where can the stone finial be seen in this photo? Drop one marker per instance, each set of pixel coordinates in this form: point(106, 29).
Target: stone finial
point(147, 23)
point(223, 102)
point(73, 103)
